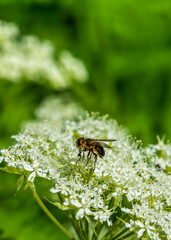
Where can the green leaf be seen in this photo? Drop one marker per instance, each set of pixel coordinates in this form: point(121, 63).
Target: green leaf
point(59, 205)
point(91, 225)
point(21, 217)
point(10, 170)
point(118, 199)
point(20, 183)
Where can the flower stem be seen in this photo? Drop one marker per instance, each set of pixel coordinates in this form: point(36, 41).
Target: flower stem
point(74, 222)
point(113, 230)
point(97, 230)
point(49, 214)
point(121, 233)
point(87, 229)
point(124, 237)
point(81, 230)
point(70, 217)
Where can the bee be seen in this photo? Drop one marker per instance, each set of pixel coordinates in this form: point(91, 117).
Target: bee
point(93, 146)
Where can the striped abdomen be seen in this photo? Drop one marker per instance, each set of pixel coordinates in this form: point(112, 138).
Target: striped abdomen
point(99, 150)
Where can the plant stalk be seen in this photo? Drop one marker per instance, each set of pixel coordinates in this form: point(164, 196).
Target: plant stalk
point(49, 214)
point(86, 229)
point(75, 223)
point(97, 230)
point(124, 237)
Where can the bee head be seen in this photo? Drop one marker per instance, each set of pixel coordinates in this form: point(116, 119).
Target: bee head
point(79, 142)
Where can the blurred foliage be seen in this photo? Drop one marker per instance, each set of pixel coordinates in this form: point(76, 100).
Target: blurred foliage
point(17, 104)
point(126, 47)
point(21, 218)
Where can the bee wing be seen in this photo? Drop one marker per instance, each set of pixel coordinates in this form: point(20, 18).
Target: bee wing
point(104, 145)
point(90, 141)
point(104, 140)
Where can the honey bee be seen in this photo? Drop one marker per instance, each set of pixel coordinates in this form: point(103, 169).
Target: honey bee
point(93, 146)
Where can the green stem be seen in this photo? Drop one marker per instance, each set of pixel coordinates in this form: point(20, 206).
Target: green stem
point(124, 237)
point(82, 228)
point(49, 214)
point(70, 217)
point(97, 230)
point(74, 222)
point(121, 233)
point(112, 231)
point(86, 229)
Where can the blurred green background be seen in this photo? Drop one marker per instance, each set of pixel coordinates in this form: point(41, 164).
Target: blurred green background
point(126, 48)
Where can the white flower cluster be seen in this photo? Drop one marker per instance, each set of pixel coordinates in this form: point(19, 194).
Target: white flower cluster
point(28, 58)
point(159, 155)
point(122, 179)
point(55, 109)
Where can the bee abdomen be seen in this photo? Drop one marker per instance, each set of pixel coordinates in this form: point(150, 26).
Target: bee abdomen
point(100, 150)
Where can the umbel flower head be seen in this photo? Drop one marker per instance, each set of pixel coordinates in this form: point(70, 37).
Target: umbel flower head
point(123, 187)
point(30, 59)
point(57, 109)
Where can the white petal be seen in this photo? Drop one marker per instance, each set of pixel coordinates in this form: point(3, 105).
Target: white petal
point(54, 190)
point(83, 200)
point(80, 213)
point(128, 225)
point(131, 221)
point(127, 210)
point(140, 232)
point(27, 167)
point(1, 159)
point(151, 227)
point(114, 194)
point(32, 176)
point(98, 172)
point(41, 174)
point(109, 223)
point(76, 203)
point(139, 224)
point(150, 233)
point(87, 211)
point(35, 164)
point(64, 192)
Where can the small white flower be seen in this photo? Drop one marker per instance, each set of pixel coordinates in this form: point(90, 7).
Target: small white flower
point(32, 176)
point(80, 213)
point(54, 190)
point(76, 203)
point(1, 159)
point(140, 232)
point(27, 166)
point(5, 152)
point(114, 194)
point(73, 163)
point(127, 210)
point(98, 172)
point(139, 224)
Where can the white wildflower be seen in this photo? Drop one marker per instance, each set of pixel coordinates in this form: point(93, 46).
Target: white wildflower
point(124, 182)
point(58, 109)
point(126, 210)
point(1, 159)
point(28, 58)
point(32, 177)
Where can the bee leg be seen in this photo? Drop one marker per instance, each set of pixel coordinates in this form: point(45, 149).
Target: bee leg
point(88, 157)
point(88, 154)
point(79, 155)
point(95, 155)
